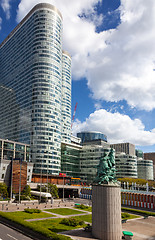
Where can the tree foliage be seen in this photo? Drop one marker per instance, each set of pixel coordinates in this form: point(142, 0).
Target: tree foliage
point(27, 191)
point(3, 190)
point(52, 188)
point(133, 180)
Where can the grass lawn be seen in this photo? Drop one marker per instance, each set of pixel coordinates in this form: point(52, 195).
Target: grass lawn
point(54, 225)
point(128, 216)
point(139, 212)
point(23, 215)
point(86, 218)
point(64, 211)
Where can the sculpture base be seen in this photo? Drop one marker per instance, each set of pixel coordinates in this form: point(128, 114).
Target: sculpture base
point(106, 212)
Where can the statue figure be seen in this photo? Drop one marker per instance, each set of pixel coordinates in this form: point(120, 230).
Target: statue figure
point(106, 168)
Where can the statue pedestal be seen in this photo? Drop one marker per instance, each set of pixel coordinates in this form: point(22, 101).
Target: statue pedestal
point(106, 211)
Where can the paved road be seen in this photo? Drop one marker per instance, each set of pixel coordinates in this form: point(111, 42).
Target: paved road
point(143, 229)
point(7, 233)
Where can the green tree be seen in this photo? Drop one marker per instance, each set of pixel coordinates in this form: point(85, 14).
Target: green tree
point(3, 190)
point(52, 188)
point(27, 191)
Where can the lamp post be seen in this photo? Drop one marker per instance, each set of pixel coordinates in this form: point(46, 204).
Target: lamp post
point(41, 176)
point(11, 179)
point(63, 189)
point(20, 179)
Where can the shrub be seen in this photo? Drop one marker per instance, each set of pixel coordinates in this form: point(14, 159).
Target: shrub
point(22, 197)
point(82, 206)
point(72, 222)
point(125, 215)
point(27, 210)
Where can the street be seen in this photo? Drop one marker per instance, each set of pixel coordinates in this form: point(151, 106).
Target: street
point(7, 233)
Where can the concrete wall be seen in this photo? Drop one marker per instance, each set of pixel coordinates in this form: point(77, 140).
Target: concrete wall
point(106, 212)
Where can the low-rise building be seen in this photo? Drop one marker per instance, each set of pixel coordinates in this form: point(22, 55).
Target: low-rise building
point(90, 155)
point(126, 165)
point(151, 156)
point(15, 156)
point(145, 169)
point(127, 148)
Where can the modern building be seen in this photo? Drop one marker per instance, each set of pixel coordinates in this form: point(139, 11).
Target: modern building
point(11, 153)
point(150, 156)
point(126, 165)
point(90, 156)
point(127, 148)
point(90, 136)
point(70, 159)
point(10, 150)
point(35, 87)
point(139, 153)
point(21, 175)
point(145, 169)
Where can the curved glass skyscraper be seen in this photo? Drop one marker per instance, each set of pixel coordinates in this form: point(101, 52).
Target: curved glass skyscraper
point(35, 87)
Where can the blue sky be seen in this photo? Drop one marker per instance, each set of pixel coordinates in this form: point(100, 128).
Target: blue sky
point(113, 56)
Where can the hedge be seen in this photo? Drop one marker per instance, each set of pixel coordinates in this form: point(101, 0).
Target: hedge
point(72, 222)
point(32, 210)
point(141, 212)
point(41, 230)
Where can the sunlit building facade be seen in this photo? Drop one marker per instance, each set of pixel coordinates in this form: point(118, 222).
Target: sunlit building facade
point(145, 169)
point(126, 165)
point(35, 87)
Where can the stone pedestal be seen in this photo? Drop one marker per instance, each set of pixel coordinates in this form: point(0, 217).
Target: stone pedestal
point(106, 212)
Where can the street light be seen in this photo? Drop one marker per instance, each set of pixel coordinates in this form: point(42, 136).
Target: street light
point(41, 176)
point(63, 188)
point(20, 179)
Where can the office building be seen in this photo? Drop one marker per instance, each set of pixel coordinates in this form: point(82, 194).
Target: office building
point(90, 156)
point(90, 136)
point(139, 153)
point(145, 169)
point(127, 148)
point(35, 87)
point(126, 165)
point(12, 154)
point(150, 156)
point(70, 159)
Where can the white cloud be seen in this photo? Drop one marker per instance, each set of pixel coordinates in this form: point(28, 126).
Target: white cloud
point(0, 23)
point(117, 127)
point(5, 4)
point(124, 69)
point(119, 63)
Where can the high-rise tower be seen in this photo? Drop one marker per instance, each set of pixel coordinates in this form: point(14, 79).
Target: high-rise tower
point(35, 79)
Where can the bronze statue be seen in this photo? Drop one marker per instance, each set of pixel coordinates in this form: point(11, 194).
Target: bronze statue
point(106, 168)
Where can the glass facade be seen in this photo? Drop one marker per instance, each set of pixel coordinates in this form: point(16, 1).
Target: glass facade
point(126, 165)
point(89, 159)
point(32, 76)
point(12, 150)
point(70, 160)
point(139, 153)
point(66, 97)
point(145, 169)
point(90, 136)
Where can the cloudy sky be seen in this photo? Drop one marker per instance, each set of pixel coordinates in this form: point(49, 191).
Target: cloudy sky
point(113, 63)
